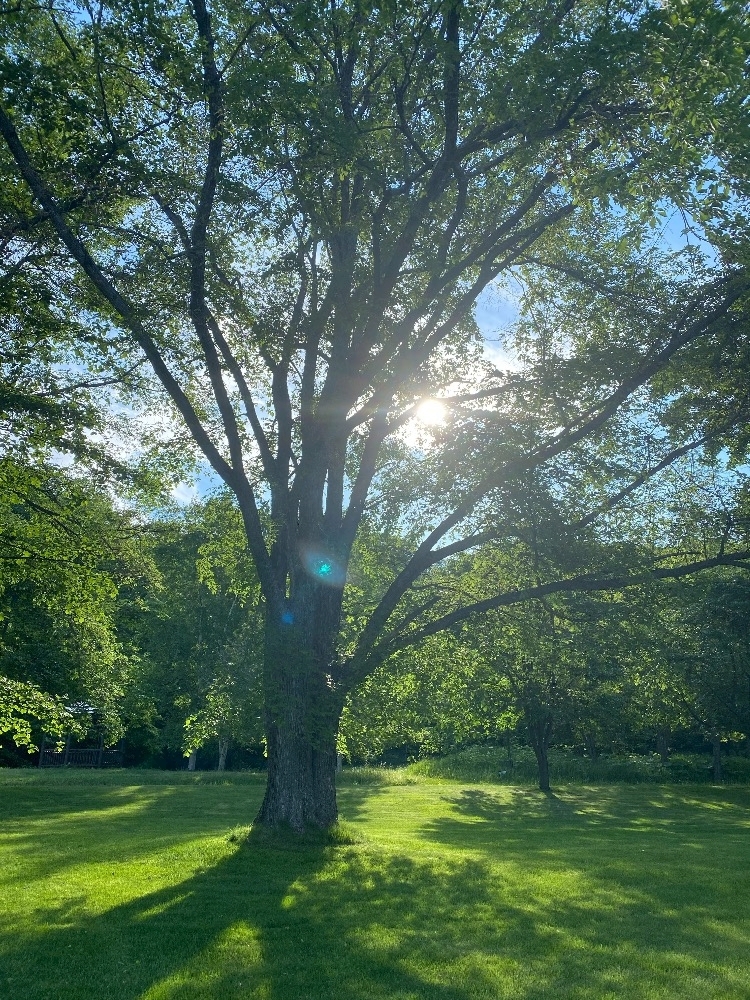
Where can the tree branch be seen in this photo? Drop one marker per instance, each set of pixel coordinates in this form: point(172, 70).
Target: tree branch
point(582, 584)
point(422, 557)
point(123, 308)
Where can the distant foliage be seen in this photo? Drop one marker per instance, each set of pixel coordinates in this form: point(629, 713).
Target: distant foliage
point(490, 764)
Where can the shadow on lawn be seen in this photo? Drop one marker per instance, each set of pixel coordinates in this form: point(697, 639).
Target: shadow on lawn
point(642, 882)
point(270, 921)
point(289, 921)
point(592, 808)
point(127, 822)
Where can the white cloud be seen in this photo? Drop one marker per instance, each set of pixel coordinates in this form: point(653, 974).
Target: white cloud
point(185, 493)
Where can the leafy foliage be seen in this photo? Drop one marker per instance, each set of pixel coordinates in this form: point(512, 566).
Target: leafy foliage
point(66, 552)
point(24, 705)
point(199, 633)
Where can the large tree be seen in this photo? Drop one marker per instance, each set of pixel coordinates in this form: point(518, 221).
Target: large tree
point(288, 211)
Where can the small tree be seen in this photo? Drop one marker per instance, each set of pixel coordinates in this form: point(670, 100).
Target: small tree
point(199, 631)
point(709, 651)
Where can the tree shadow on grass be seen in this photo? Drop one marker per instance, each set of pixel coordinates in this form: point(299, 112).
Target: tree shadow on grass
point(295, 922)
point(55, 828)
point(278, 921)
point(651, 905)
point(588, 809)
point(116, 825)
point(289, 920)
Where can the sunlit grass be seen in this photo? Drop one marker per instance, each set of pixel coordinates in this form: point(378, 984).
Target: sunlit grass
point(148, 887)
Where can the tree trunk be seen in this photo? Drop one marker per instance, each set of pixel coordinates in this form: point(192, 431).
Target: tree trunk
point(301, 785)
point(662, 745)
point(192, 759)
point(716, 745)
point(540, 733)
point(223, 750)
point(590, 743)
point(302, 715)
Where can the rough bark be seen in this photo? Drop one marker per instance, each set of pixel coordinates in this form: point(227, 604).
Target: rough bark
point(716, 762)
point(540, 733)
point(223, 751)
point(192, 759)
point(302, 714)
point(301, 785)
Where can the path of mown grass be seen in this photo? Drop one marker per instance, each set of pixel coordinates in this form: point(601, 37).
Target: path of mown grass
point(128, 886)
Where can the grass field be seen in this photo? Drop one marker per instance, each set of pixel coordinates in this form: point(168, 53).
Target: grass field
point(142, 886)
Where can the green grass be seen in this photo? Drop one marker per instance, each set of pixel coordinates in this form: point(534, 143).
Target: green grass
point(148, 886)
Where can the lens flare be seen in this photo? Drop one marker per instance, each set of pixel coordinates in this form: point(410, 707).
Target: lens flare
point(323, 567)
point(431, 412)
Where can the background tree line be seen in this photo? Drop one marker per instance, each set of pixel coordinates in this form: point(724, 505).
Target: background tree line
point(154, 623)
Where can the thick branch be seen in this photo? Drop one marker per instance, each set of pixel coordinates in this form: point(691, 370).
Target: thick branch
point(123, 308)
point(199, 312)
point(580, 584)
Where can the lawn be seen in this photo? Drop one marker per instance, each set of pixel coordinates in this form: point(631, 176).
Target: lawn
point(142, 886)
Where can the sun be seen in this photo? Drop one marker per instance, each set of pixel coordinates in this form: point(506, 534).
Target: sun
point(431, 413)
